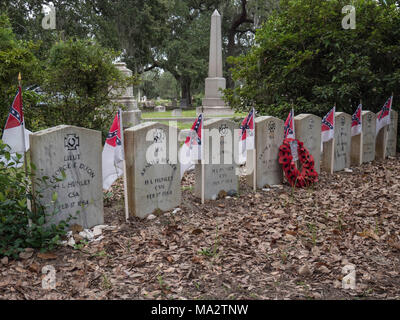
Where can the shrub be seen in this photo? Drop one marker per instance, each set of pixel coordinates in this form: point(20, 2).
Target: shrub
point(21, 227)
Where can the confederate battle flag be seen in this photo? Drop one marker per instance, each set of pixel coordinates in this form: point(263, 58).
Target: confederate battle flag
point(328, 126)
point(289, 126)
point(113, 153)
point(246, 140)
point(383, 117)
point(191, 150)
point(356, 121)
point(12, 133)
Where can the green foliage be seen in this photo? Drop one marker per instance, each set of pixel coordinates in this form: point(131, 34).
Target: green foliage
point(304, 56)
point(20, 227)
point(80, 81)
point(15, 56)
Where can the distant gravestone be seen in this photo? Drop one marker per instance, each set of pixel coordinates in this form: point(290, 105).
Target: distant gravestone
point(342, 146)
point(220, 172)
point(368, 132)
point(77, 152)
point(177, 112)
point(308, 130)
point(153, 172)
point(269, 137)
point(159, 109)
point(392, 134)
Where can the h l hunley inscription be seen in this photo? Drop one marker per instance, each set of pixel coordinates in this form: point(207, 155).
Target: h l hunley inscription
point(76, 152)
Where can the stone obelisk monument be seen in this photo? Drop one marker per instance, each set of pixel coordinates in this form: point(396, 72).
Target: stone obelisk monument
point(213, 103)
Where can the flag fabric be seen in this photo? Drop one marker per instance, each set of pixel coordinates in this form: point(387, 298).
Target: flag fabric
point(328, 127)
point(113, 153)
point(12, 133)
point(192, 149)
point(383, 117)
point(246, 140)
point(356, 121)
point(289, 126)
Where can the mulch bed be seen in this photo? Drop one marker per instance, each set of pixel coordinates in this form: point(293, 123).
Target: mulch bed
point(282, 243)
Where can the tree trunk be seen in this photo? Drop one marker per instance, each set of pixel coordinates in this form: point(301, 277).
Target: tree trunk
point(186, 100)
point(237, 21)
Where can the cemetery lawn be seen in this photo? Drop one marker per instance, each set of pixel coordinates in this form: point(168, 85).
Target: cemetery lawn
point(275, 244)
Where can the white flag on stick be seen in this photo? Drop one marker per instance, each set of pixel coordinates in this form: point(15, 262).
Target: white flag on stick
point(113, 154)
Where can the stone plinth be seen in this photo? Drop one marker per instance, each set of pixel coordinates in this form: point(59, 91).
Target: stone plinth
point(213, 104)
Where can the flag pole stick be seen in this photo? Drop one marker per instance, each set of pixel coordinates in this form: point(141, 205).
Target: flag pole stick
point(23, 127)
point(124, 167)
point(28, 201)
point(203, 138)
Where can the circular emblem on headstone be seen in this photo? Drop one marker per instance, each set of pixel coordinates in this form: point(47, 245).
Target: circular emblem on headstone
point(369, 117)
point(271, 127)
point(71, 141)
point(223, 130)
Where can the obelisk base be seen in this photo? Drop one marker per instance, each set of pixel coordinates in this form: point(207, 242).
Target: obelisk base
point(131, 118)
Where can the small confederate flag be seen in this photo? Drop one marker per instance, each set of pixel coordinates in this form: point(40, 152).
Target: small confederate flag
point(356, 121)
point(289, 126)
point(246, 140)
point(191, 150)
point(383, 117)
point(113, 153)
point(328, 126)
point(12, 133)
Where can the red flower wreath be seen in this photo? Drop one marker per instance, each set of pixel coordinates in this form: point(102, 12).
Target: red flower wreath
point(308, 174)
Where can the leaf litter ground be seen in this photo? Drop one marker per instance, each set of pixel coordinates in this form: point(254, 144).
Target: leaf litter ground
point(280, 243)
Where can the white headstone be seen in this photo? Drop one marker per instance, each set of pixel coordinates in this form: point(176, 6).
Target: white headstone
point(308, 130)
point(269, 137)
point(368, 132)
point(153, 171)
point(342, 147)
point(77, 152)
point(220, 172)
point(392, 133)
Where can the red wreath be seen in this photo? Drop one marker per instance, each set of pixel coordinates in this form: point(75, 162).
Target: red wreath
point(308, 174)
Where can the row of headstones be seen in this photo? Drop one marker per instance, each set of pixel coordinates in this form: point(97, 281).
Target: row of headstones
point(154, 186)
